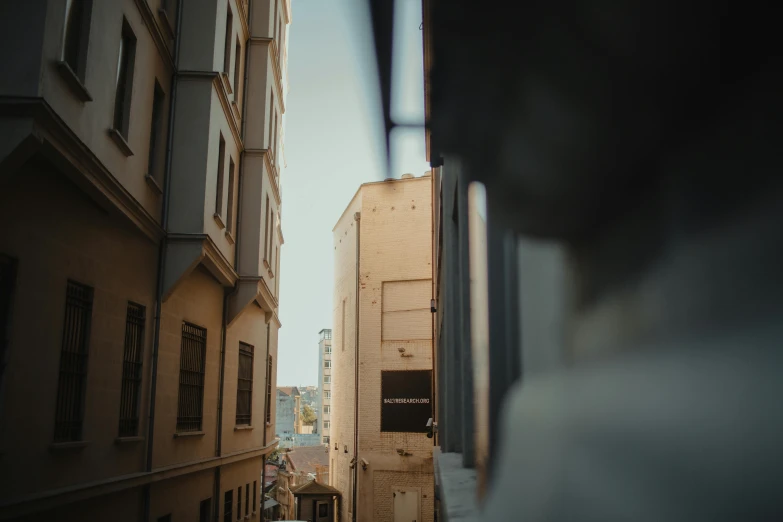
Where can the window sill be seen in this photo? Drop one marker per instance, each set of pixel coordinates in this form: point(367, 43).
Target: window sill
point(187, 434)
point(153, 183)
point(123, 440)
point(74, 82)
point(243, 428)
point(63, 446)
point(226, 83)
point(119, 140)
point(457, 487)
point(219, 220)
point(230, 237)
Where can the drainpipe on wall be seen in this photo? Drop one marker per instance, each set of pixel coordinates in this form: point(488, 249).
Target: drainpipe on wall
point(357, 217)
point(164, 216)
point(267, 405)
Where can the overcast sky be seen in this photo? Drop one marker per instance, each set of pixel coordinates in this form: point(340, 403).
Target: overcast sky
point(334, 143)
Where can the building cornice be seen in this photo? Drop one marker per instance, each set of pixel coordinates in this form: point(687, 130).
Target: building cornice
point(154, 29)
point(54, 498)
point(55, 140)
point(199, 249)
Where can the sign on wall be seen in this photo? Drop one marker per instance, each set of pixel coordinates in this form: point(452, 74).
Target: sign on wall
point(406, 400)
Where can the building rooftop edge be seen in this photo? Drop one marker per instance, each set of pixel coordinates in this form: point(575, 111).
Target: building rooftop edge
point(390, 180)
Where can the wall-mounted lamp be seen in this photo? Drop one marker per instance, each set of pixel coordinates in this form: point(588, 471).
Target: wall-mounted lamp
point(345, 449)
point(432, 306)
point(364, 464)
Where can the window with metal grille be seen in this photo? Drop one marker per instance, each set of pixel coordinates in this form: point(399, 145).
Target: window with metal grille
point(269, 390)
point(239, 503)
point(7, 284)
point(131, 370)
point(72, 383)
point(228, 506)
point(247, 499)
point(191, 378)
point(245, 384)
point(204, 508)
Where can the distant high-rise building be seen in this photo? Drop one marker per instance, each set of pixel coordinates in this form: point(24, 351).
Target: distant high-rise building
point(324, 384)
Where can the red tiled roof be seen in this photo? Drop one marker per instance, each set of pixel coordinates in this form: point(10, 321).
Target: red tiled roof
point(304, 459)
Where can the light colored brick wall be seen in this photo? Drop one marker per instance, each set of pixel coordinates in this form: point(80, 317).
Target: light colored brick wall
point(383, 484)
point(343, 342)
point(395, 247)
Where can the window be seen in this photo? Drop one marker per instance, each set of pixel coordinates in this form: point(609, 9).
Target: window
point(72, 382)
point(271, 110)
point(153, 169)
point(247, 499)
point(131, 370)
point(326, 439)
point(220, 174)
point(327, 349)
point(124, 89)
point(274, 140)
point(326, 409)
point(266, 231)
point(327, 394)
point(269, 390)
point(227, 42)
point(327, 364)
point(231, 196)
point(326, 424)
point(255, 498)
point(204, 510)
point(191, 377)
point(245, 384)
point(7, 284)
point(327, 379)
point(237, 69)
point(76, 36)
point(228, 506)
point(239, 503)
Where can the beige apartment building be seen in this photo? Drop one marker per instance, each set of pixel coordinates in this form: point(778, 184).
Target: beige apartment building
point(381, 458)
point(139, 256)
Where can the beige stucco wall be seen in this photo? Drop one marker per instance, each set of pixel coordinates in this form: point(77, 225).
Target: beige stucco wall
point(119, 263)
point(92, 120)
point(181, 496)
point(197, 300)
point(65, 221)
point(249, 328)
point(396, 255)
